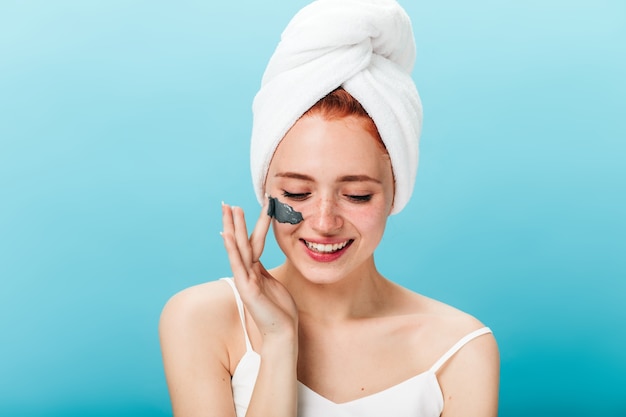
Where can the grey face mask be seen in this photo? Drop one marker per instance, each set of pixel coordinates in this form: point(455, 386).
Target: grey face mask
point(282, 212)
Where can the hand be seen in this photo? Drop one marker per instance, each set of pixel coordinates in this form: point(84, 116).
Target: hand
point(268, 301)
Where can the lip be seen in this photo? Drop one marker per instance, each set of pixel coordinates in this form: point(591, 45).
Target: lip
point(326, 257)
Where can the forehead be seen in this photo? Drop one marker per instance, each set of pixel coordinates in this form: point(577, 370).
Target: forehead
point(314, 142)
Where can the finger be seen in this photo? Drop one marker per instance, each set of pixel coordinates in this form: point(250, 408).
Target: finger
point(227, 220)
point(244, 279)
point(259, 234)
point(241, 236)
point(237, 265)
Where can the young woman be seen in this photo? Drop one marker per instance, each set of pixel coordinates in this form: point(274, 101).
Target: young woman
point(325, 334)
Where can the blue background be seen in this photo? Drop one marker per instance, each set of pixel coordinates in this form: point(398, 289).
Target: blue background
point(123, 124)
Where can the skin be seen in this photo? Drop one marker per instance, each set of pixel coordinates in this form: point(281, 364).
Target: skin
point(320, 318)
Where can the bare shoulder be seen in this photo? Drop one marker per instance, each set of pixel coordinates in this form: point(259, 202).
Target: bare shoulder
point(199, 306)
point(453, 326)
point(456, 325)
point(446, 321)
point(197, 334)
point(198, 319)
point(469, 379)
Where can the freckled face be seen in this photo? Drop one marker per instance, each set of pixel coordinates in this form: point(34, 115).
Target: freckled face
point(339, 177)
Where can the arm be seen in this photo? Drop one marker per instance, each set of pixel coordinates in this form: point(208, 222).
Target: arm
point(470, 380)
point(273, 311)
point(196, 330)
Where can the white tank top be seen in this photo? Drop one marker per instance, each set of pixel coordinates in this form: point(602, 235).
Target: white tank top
point(419, 396)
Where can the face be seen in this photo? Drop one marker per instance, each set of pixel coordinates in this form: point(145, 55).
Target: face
point(339, 177)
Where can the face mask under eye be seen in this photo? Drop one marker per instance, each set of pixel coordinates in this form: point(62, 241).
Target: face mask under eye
point(282, 212)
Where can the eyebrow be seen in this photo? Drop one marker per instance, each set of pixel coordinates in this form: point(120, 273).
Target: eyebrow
point(359, 178)
point(294, 175)
point(345, 178)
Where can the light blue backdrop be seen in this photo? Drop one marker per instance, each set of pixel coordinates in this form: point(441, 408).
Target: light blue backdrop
point(124, 124)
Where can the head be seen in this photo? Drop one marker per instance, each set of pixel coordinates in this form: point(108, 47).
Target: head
point(332, 167)
point(368, 48)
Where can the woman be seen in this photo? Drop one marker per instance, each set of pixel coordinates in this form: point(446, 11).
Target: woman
point(334, 153)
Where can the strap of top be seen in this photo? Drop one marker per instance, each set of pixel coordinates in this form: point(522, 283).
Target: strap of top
point(242, 316)
point(454, 349)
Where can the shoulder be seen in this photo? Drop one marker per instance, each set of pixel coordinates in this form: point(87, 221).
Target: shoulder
point(446, 323)
point(200, 298)
point(450, 323)
point(440, 326)
point(198, 334)
point(199, 305)
point(469, 379)
point(201, 317)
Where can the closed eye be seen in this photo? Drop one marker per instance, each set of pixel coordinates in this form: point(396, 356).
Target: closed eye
point(359, 198)
point(295, 196)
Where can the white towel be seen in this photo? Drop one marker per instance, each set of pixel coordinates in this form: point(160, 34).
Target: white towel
point(365, 46)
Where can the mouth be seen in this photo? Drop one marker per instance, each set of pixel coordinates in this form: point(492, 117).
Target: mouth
point(327, 248)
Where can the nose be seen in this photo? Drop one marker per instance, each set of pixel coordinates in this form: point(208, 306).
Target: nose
point(327, 219)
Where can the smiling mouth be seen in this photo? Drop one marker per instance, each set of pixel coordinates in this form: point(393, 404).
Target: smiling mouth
point(327, 248)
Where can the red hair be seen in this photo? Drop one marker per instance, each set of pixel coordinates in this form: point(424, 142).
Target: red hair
point(338, 104)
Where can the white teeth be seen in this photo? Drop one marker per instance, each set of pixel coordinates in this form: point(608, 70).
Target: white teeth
point(328, 248)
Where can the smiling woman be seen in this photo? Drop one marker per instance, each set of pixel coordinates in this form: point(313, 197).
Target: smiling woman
point(325, 333)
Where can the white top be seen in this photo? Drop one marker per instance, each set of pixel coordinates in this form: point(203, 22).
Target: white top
point(419, 396)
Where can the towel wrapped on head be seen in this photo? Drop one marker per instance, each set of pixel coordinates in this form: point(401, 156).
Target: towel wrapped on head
point(366, 47)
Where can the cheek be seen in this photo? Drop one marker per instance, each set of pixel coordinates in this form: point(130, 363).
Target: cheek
point(286, 236)
point(370, 218)
point(374, 221)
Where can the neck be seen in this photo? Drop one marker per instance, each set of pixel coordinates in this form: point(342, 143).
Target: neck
point(362, 293)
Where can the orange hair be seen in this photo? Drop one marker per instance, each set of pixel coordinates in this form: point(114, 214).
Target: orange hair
point(338, 104)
